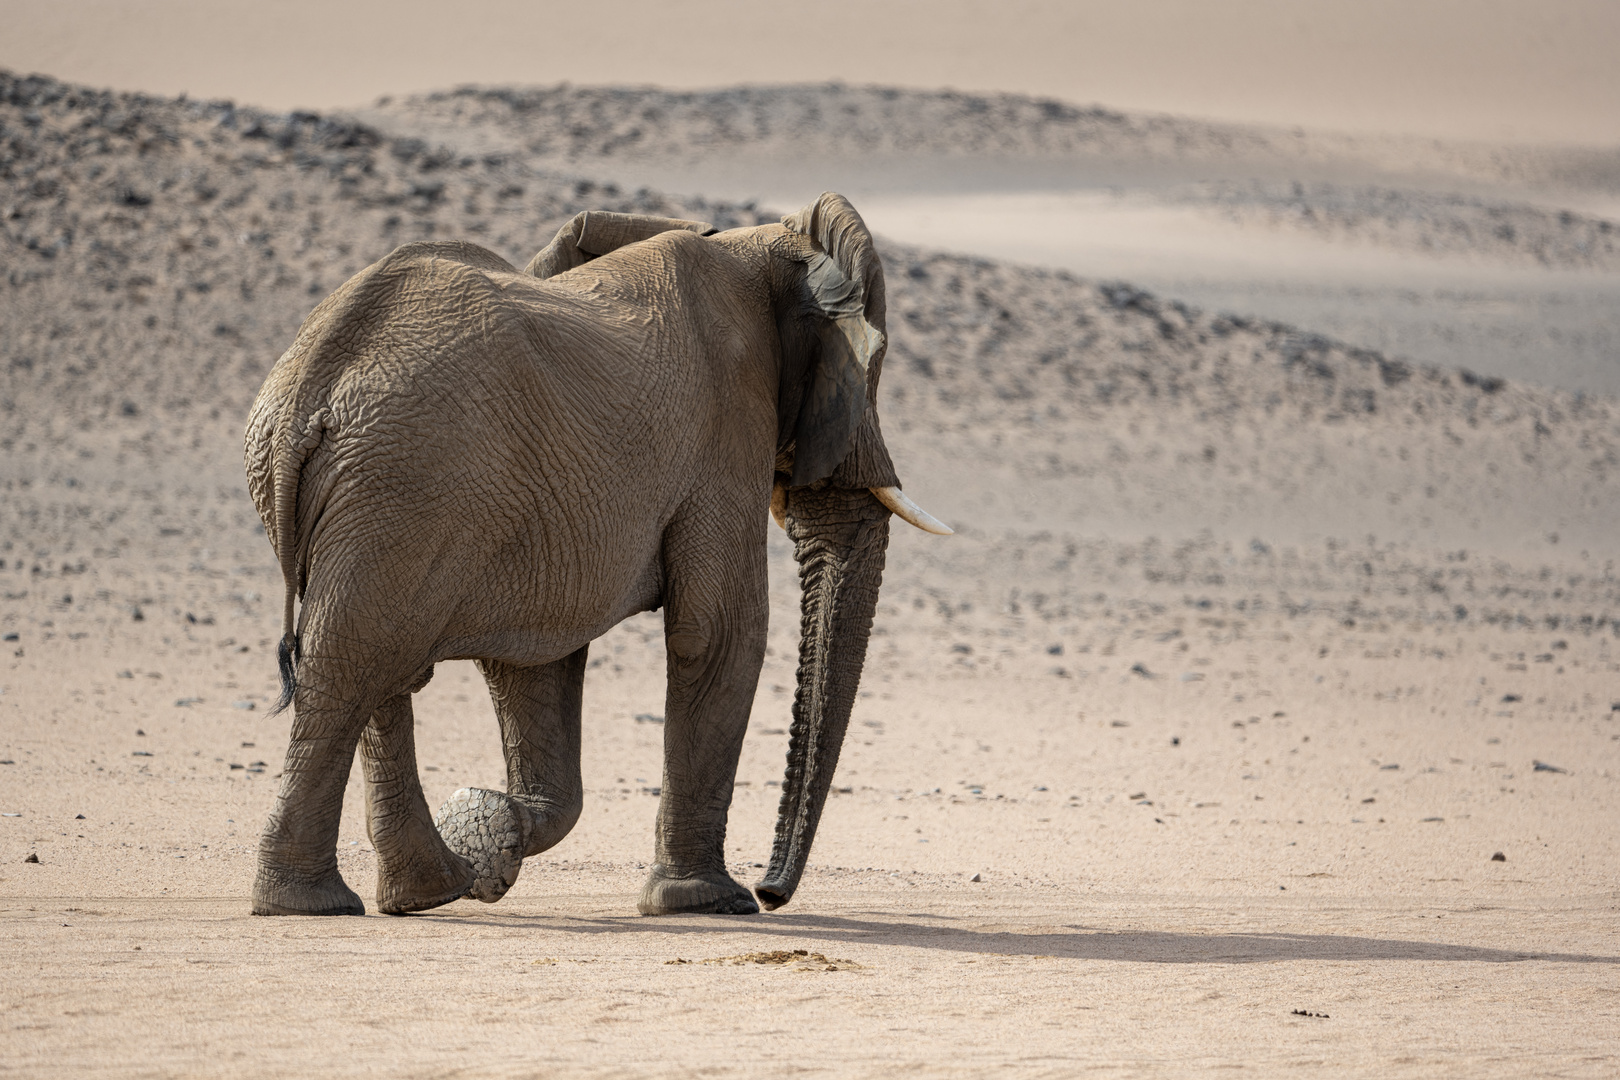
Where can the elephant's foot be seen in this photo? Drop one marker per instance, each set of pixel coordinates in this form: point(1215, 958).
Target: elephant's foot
point(490, 831)
point(700, 894)
point(285, 892)
point(421, 883)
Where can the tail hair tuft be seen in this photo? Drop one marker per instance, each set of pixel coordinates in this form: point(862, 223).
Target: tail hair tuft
point(287, 661)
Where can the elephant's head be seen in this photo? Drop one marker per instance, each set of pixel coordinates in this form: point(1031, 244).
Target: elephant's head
point(835, 485)
point(834, 491)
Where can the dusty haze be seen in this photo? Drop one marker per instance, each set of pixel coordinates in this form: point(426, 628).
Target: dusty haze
point(1536, 70)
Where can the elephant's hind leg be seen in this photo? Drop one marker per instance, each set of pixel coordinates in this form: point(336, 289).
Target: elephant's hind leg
point(539, 710)
point(298, 872)
point(415, 870)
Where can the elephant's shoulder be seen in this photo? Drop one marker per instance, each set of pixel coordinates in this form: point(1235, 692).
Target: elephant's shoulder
point(675, 248)
point(668, 272)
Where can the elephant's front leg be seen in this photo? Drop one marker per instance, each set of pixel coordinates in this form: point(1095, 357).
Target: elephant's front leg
point(539, 710)
point(714, 630)
point(415, 870)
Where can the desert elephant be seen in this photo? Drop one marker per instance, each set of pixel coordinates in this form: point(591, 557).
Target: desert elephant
point(456, 459)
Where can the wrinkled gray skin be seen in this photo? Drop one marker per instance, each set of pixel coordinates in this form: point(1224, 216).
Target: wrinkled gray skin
point(456, 459)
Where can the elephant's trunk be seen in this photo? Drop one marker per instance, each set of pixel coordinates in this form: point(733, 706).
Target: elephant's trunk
point(839, 538)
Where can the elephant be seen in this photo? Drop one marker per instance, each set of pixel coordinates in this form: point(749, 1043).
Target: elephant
point(459, 460)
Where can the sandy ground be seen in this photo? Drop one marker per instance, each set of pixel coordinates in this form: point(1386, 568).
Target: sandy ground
point(1252, 651)
point(1169, 866)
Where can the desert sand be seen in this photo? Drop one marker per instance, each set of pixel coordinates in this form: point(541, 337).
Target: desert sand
point(1192, 750)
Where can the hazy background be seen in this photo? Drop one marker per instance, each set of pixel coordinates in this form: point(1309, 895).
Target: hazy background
point(1490, 69)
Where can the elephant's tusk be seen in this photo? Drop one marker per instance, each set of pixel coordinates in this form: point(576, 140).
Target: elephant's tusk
point(779, 506)
point(904, 508)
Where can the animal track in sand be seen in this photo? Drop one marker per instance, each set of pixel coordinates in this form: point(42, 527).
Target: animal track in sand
point(803, 959)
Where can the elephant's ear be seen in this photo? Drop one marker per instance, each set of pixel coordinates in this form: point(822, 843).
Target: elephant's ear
point(590, 233)
point(836, 396)
point(845, 281)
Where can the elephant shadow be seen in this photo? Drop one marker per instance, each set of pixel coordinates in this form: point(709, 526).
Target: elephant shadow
point(1068, 942)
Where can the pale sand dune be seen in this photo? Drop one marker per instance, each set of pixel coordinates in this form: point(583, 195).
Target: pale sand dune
point(1504, 259)
point(1232, 682)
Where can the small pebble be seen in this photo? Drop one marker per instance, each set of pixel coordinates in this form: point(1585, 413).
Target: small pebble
point(1499, 857)
point(32, 858)
point(976, 877)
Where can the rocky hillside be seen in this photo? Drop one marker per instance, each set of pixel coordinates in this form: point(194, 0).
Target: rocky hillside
point(159, 254)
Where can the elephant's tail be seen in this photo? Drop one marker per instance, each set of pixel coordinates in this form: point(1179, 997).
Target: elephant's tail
point(292, 449)
point(287, 660)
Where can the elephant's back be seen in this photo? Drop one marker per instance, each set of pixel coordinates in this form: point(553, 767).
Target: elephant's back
point(484, 355)
point(478, 394)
